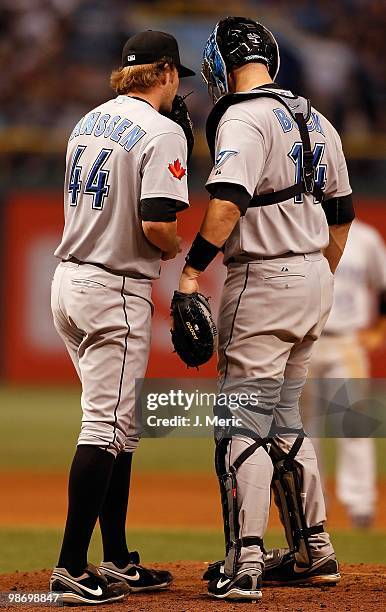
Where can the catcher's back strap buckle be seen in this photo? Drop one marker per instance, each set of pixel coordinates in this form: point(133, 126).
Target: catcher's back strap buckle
point(308, 183)
point(300, 110)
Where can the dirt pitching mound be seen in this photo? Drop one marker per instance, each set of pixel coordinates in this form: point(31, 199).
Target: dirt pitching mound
point(362, 588)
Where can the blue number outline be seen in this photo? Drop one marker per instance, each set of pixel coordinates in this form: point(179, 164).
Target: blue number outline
point(75, 182)
point(96, 183)
point(296, 155)
point(97, 179)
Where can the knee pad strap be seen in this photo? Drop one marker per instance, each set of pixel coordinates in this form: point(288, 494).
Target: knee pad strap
point(287, 489)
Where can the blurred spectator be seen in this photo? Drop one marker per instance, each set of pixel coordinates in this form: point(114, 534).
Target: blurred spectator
point(56, 55)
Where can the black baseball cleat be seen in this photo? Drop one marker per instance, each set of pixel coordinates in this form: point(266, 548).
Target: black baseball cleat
point(274, 558)
point(271, 558)
point(137, 577)
point(89, 588)
point(283, 571)
point(244, 586)
point(213, 570)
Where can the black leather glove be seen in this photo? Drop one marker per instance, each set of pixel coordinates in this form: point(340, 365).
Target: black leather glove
point(180, 114)
point(193, 333)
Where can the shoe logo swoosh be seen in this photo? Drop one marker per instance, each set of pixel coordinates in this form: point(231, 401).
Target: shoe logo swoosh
point(135, 576)
point(95, 592)
point(222, 582)
point(98, 591)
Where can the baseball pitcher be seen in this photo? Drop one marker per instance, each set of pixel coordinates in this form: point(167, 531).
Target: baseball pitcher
point(280, 210)
point(125, 181)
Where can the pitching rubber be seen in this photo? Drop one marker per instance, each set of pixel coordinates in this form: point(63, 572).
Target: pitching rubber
point(326, 580)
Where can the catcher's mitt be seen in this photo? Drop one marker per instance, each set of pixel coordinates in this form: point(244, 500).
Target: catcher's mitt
point(194, 332)
point(180, 115)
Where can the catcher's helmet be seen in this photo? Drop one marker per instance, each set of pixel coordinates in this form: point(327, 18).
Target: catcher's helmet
point(236, 41)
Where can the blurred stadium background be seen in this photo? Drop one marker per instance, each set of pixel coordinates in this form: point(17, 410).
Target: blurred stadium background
point(55, 58)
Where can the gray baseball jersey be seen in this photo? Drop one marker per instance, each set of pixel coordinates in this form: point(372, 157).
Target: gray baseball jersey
point(359, 278)
point(258, 147)
point(120, 153)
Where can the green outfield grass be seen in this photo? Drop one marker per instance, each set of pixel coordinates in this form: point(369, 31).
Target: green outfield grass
point(39, 428)
point(38, 431)
point(31, 549)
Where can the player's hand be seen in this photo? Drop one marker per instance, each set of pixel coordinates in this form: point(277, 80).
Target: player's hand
point(166, 255)
point(188, 280)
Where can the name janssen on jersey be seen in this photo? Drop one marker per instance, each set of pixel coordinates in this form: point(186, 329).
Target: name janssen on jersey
point(114, 128)
point(288, 123)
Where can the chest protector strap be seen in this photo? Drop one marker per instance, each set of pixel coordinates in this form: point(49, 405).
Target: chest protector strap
point(300, 110)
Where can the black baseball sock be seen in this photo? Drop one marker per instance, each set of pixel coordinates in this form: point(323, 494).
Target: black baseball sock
point(112, 517)
point(88, 483)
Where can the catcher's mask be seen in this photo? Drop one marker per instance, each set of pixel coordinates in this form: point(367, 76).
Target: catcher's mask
point(236, 41)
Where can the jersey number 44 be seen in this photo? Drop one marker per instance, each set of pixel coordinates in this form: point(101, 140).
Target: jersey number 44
point(96, 183)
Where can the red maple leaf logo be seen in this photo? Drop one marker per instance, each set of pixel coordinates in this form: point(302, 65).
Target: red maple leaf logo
point(177, 170)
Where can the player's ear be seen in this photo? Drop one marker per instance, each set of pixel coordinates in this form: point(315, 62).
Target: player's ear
point(172, 72)
point(164, 74)
point(163, 77)
point(176, 75)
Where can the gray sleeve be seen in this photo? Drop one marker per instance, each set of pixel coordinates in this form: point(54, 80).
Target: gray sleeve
point(342, 186)
point(163, 169)
point(240, 155)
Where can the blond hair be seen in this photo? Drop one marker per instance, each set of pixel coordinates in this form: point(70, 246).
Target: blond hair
point(141, 77)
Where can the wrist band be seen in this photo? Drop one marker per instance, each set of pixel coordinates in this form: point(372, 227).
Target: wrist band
point(201, 253)
point(382, 303)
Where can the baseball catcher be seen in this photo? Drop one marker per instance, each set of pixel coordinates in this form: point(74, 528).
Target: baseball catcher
point(280, 210)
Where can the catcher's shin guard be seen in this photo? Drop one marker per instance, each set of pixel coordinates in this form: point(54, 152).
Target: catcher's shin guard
point(228, 489)
point(287, 490)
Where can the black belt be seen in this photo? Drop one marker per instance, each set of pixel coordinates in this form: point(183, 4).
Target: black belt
point(249, 258)
point(105, 268)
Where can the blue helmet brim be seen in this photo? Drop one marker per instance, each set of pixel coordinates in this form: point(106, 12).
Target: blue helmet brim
point(214, 70)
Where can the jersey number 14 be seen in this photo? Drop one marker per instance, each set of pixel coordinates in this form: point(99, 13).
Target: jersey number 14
point(296, 155)
point(96, 181)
